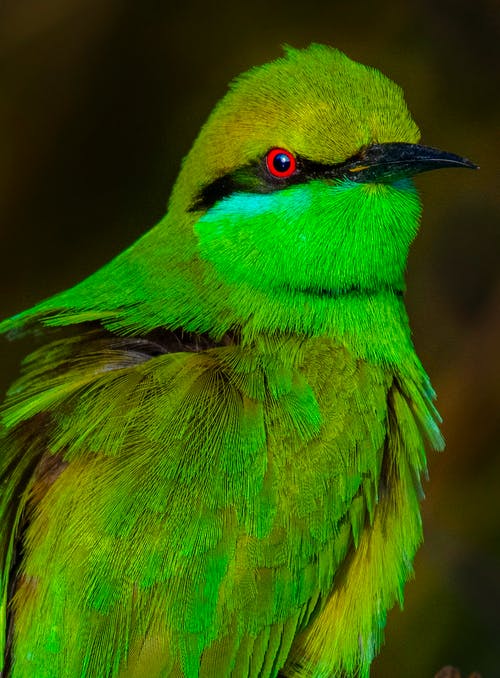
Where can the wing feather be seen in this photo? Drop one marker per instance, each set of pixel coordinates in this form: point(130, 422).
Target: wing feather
point(205, 503)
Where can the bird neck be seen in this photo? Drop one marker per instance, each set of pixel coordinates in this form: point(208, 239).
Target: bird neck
point(372, 327)
point(370, 334)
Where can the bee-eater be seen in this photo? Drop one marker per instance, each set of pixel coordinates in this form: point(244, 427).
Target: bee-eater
point(215, 470)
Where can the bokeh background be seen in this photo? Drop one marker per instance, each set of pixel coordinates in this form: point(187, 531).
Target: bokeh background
point(99, 101)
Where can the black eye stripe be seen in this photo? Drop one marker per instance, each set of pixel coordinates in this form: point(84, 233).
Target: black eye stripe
point(215, 191)
point(256, 178)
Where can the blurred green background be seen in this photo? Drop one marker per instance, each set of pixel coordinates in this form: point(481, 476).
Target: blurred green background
point(99, 101)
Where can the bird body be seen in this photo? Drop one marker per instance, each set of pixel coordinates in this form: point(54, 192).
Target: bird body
point(218, 472)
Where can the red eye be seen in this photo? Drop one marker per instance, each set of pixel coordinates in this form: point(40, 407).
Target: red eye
point(280, 163)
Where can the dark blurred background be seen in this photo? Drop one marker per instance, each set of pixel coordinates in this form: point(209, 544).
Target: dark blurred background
point(99, 101)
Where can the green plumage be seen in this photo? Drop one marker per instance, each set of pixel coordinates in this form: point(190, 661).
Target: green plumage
point(218, 473)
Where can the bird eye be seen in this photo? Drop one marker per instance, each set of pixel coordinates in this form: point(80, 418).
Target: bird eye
point(280, 163)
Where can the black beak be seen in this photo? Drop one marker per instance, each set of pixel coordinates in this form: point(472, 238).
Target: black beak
point(386, 163)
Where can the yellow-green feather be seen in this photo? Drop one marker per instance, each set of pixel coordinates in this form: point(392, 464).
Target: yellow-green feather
point(219, 473)
point(212, 524)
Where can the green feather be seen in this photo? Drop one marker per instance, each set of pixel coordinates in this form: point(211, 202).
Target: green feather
point(218, 473)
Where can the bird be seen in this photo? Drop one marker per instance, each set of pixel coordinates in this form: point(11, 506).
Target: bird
point(213, 466)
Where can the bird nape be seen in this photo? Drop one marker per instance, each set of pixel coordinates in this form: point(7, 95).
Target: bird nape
point(216, 471)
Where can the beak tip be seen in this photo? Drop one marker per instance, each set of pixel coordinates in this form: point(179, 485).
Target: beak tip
point(469, 164)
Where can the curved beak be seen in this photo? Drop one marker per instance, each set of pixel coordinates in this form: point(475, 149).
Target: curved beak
point(386, 163)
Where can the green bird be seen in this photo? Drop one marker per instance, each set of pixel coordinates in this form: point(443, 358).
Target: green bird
point(216, 470)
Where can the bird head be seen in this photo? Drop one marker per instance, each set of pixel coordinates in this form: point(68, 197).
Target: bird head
point(300, 187)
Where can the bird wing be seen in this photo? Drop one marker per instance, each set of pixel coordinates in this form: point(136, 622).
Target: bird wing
point(146, 522)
